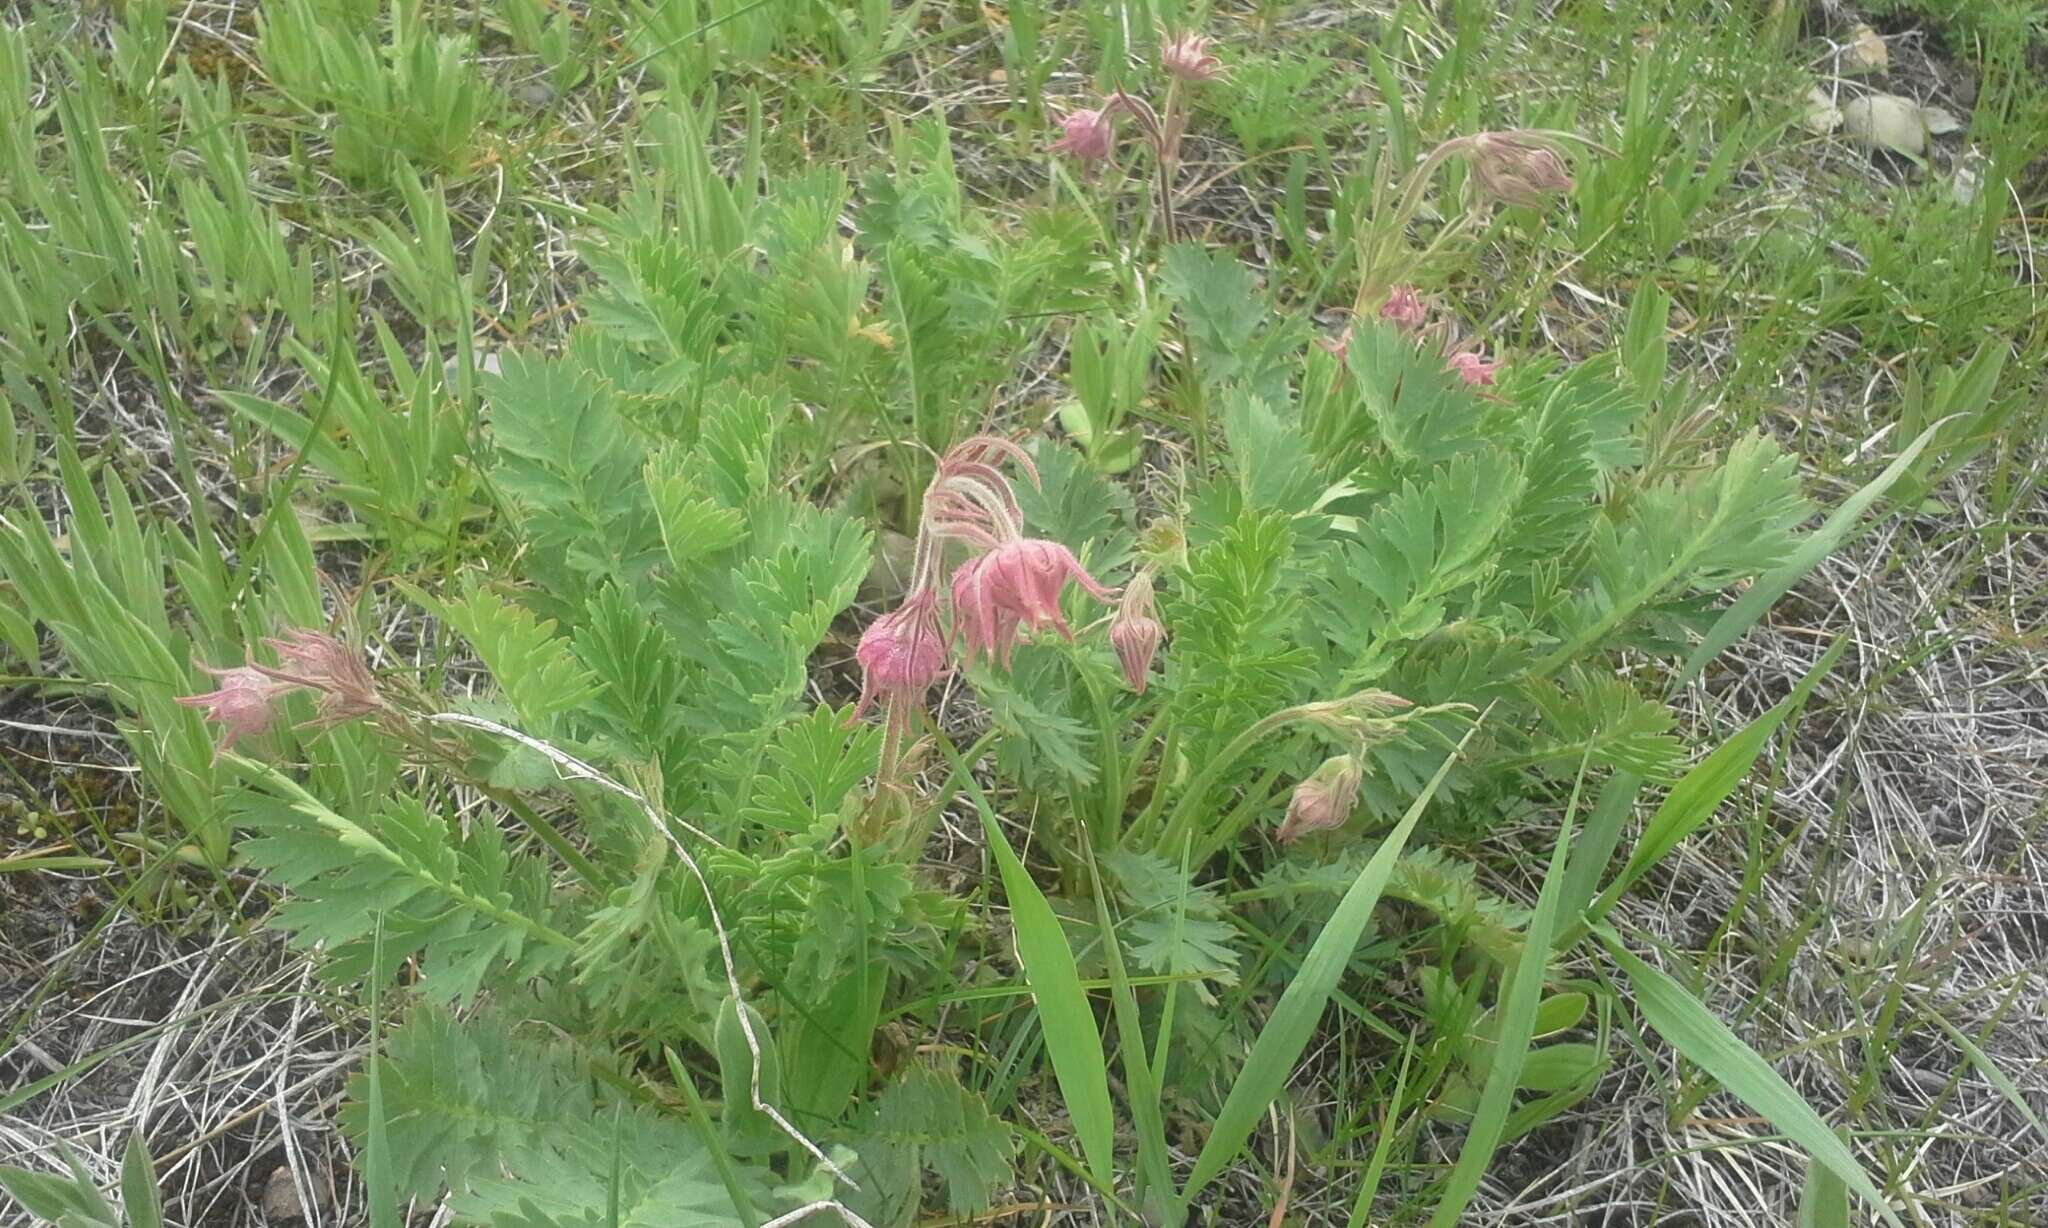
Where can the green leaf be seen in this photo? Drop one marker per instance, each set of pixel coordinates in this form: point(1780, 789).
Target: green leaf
point(1823, 1200)
point(533, 666)
point(1842, 524)
point(1288, 1029)
point(1695, 798)
point(1692, 1030)
point(1067, 1021)
point(139, 1198)
point(1396, 578)
point(942, 1127)
point(1520, 999)
point(70, 1202)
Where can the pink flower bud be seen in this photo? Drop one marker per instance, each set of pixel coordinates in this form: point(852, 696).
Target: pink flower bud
point(1187, 56)
point(1089, 136)
point(325, 664)
point(1517, 169)
point(1135, 632)
point(1404, 309)
point(1471, 368)
point(245, 703)
point(1323, 801)
point(1013, 586)
point(902, 652)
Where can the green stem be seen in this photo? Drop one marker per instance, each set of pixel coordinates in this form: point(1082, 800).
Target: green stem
point(1184, 812)
point(545, 832)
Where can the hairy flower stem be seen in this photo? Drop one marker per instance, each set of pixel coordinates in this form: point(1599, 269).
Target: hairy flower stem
point(1184, 813)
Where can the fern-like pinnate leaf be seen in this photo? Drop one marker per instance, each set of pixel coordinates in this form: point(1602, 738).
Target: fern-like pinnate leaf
point(1393, 582)
point(806, 570)
point(1172, 926)
point(1601, 717)
point(927, 1120)
point(461, 902)
point(515, 1125)
point(571, 463)
point(533, 666)
point(1695, 536)
point(1236, 637)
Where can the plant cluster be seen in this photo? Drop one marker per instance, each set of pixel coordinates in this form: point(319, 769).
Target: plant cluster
point(641, 874)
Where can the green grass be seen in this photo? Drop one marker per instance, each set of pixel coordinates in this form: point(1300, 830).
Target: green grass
point(256, 279)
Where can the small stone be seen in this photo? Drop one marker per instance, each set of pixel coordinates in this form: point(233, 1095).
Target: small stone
point(281, 1197)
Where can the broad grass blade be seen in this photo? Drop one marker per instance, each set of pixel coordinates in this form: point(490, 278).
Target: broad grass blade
point(1695, 798)
point(1071, 1038)
point(1517, 1028)
point(1691, 1029)
point(139, 1200)
point(1823, 1201)
point(1843, 523)
point(1293, 1021)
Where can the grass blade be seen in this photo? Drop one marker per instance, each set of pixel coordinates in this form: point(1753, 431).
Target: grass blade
point(1843, 523)
point(1689, 1027)
point(139, 1199)
point(1155, 1179)
point(1517, 1028)
point(1695, 798)
point(1823, 1201)
point(1071, 1038)
point(1989, 1069)
point(1293, 1021)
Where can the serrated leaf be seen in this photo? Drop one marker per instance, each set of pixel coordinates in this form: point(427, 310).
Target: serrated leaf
point(533, 666)
point(1392, 582)
point(942, 1127)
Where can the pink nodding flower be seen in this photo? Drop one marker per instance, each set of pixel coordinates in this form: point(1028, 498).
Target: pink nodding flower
point(1187, 56)
point(1016, 585)
point(1323, 801)
point(1089, 135)
point(1518, 168)
point(1471, 368)
point(323, 663)
point(1135, 632)
point(1404, 309)
point(902, 652)
point(245, 702)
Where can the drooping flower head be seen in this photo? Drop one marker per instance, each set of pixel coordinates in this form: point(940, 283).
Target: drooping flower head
point(323, 663)
point(1323, 801)
point(903, 652)
point(1088, 135)
point(1013, 587)
point(1187, 56)
point(1135, 632)
point(245, 703)
point(1518, 168)
point(1404, 309)
point(1471, 368)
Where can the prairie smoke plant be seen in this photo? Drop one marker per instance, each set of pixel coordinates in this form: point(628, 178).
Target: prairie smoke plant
point(1517, 168)
point(1323, 801)
point(1404, 309)
point(1089, 135)
point(1013, 587)
point(1135, 632)
point(903, 652)
point(1472, 368)
point(1010, 583)
point(322, 663)
point(245, 703)
point(1187, 57)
